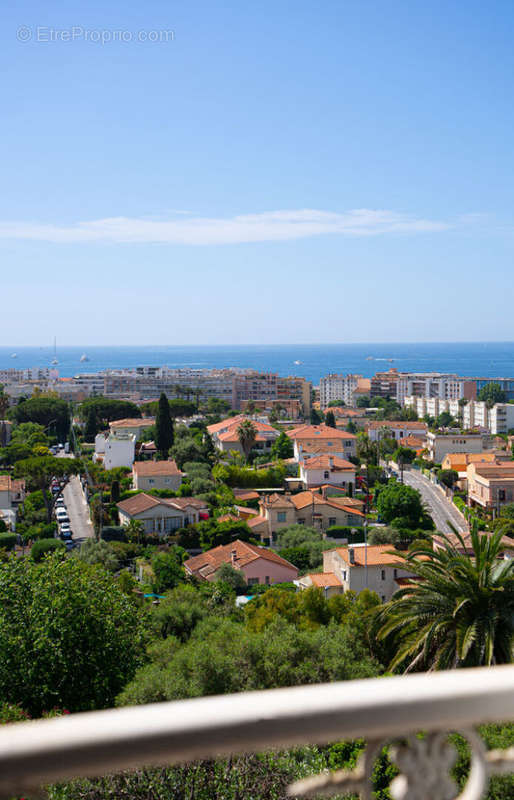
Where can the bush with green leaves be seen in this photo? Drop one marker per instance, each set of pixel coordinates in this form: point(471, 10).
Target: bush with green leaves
point(43, 547)
point(69, 637)
point(7, 540)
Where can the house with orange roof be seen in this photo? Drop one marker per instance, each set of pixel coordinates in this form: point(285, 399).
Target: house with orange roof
point(225, 434)
point(136, 427)
point(373, 567)
point(327, 581)
point(277, 511)
point(156, 475)
point(460, 462)
point(258, 564)
point(314, 440)
point(318, 470)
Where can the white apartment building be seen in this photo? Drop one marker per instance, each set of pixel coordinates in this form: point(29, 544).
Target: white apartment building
point(443, 386)
point(338, 387)
point(473, 414)
point(115, 450)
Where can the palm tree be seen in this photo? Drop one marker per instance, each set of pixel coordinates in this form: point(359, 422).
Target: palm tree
point(458, 610)
point(135, 530)
point(247, 434)
point(4, 405)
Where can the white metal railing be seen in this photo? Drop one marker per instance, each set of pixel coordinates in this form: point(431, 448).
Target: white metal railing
point(380, 710)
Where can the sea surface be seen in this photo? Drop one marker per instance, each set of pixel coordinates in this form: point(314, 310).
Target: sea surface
point(486, 359)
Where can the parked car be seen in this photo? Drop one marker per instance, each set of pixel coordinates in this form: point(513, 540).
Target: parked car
point(70, 544)
point(61, 516)
point(59, 503)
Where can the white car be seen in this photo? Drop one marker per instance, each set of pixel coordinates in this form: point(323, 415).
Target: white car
point(61, 515)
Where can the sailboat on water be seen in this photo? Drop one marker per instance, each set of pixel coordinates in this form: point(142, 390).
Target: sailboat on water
point(55, 360)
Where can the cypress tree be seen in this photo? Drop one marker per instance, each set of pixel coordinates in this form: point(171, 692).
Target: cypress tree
point(91, 425)
point(330, 419)
point(163, 427)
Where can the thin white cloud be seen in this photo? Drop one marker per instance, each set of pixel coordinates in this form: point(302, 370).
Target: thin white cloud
point(266, 227)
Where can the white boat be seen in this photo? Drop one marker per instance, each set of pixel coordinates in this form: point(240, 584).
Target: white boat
point(370, 358)
point(55, 359)
point(297, 362)
point(84, 357)
point(14, 355)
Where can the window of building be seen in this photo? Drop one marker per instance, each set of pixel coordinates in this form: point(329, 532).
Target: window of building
point(383, 574)
point(151, 481)
point(383, 598)
point(344, 574)
point(301, 521)
point(326, 474)
point(395, 573)
point(332, 521)
point(281, 516)
point(253, 581)
point(266, 580)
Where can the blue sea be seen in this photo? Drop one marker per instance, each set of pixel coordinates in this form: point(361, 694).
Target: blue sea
point(486, 359)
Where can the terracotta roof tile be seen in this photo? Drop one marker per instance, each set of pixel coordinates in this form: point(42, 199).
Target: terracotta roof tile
point(207, 564)
point(144, 468)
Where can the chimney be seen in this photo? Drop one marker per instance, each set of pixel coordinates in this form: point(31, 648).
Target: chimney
point(233, 556)
point(351, 555)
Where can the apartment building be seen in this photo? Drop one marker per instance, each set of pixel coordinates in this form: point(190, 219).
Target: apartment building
point(443, 386)
point(384, 384)
point(441, 444)
point(338, 387)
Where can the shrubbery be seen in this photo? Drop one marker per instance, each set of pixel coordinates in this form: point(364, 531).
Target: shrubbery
point(43, 547)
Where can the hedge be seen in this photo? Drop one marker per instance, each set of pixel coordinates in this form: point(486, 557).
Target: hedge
point(114, 533)
point(7, 540)
point(353, 533)
point(44, 546)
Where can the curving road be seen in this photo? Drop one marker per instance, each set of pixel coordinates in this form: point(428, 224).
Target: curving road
point(441, 509)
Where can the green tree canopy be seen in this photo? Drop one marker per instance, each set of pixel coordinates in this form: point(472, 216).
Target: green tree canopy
point(247, 434)
point(330, 419)
point(492, 393)
point(282, 447)
point(38, 471)
point(69, 637)
point(448, 477)
point(398, 500)
point(53, 414)
point(107, 409)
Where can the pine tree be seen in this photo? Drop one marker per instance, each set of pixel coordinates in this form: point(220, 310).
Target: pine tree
point(163, 427)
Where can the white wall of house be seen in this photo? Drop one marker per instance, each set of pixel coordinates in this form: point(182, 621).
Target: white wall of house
point(162, 519)
point(146, 482)
point(119, 451)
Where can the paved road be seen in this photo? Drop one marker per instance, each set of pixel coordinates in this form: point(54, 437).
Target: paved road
point(439, 506)
point(77, 509)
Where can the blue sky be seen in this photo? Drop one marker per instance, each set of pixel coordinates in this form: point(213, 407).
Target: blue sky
point(271, 173)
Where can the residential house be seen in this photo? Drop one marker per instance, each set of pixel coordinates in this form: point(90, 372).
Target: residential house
point(258, 565)
point(115, 450)
point(156, 475)
point(318, 470)
point(371, 567)
point(277, 511)
point(327, 581)
point(162, 515)
point(397, 430)
point(225, 434)
point(313, 440)
point(136, 427)
point(491, 485)
point(12, 493)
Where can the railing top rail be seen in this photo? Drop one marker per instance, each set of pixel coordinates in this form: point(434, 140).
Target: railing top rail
point(93, 743)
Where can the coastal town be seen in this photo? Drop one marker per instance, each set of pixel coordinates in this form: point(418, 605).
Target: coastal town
point(289, 480)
